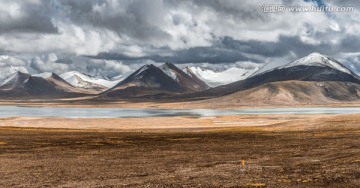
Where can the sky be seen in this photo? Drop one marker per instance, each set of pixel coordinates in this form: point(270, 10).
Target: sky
point(110, 37)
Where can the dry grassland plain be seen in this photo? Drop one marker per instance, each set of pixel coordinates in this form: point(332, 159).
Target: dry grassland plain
point(227, 151)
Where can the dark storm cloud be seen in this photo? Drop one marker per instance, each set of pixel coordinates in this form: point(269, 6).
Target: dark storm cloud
point(25, 17)
point(213, 54)
point(136, 19)
point(229, 50)
point(350, 43)
point(267, 49)
point(347, 44)
point(206, 54)
point(353, 63)
point(233, 9)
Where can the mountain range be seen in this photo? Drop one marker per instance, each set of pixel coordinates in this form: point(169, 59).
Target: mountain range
point(314, 78)
point(46, 85)
point(151, 80)
point(306, 80)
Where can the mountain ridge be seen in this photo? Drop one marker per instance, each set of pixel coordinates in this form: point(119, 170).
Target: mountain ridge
point(188, 81)
point(148, 79)
point(22, 85)
point(291, 73)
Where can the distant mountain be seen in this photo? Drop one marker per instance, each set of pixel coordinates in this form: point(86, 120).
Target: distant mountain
point(10, 65)
point(81, 80)
point(148, 80)
point(314, 60)
point(46, 85)
point(187, 80)
point(314, 67)
point(6, 71)
point(216, 78)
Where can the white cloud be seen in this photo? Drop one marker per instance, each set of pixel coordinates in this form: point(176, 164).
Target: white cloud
point(47, 63)
point(12, 61)
point(106, 68)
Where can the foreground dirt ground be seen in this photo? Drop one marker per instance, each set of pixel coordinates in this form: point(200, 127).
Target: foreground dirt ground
point(302, 151)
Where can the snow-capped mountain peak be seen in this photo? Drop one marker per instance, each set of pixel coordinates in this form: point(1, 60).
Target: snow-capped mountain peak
point(14, 79)
point(183, 77)
point(9, 70)
point(149, 77)
point(311, 60)
point(317, 59)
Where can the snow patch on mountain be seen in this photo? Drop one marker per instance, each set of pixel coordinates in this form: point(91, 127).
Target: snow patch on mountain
point(217, 78)
point(168, 71)
point(81, 80)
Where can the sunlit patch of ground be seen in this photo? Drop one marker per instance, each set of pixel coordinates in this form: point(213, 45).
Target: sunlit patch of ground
point(154, 123)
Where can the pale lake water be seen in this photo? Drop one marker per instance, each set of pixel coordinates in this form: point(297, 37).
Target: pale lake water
point(22, 111)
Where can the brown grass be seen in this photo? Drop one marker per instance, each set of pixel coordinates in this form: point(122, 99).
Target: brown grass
point(303, 151)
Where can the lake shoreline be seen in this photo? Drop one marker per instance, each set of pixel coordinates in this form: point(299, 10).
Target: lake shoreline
point(92, 113)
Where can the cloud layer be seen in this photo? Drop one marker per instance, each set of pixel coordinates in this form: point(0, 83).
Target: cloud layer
point(126, 32)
